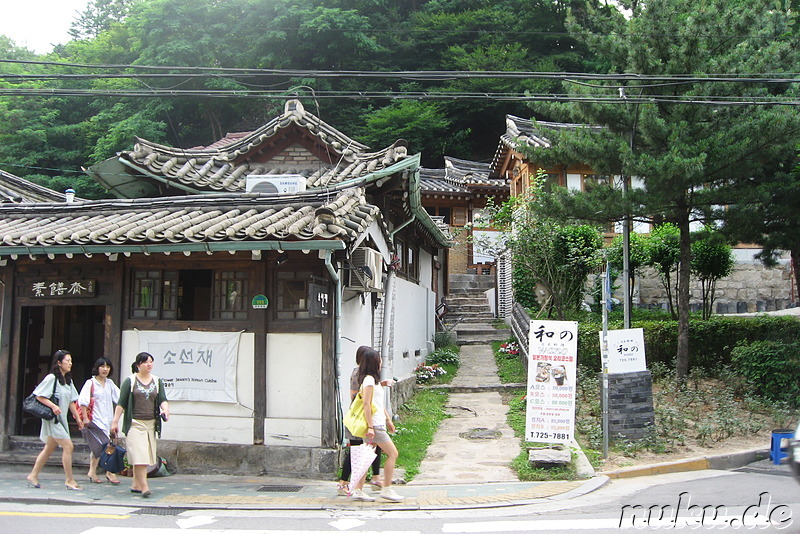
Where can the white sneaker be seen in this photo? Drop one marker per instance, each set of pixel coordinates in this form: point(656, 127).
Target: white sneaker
point(390, 495)
point(359, 495)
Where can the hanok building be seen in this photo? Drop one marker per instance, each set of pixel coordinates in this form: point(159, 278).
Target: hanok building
point(250, 269)
point(456, 195)
point(734, 294)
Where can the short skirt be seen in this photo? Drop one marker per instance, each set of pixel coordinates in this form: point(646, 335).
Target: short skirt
point(141, 442)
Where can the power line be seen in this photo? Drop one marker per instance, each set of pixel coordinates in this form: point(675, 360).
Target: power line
point(429, 75)
point(715, 100)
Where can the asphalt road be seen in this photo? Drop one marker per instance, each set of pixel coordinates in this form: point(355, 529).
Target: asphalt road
point(744, 499)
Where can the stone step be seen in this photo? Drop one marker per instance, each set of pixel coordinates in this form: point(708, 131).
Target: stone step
point(468, 289)
point(23, 450)
point(467, 330)
point(469, 309)
point(477, 389)
point(466, 298)
point(471, 319)
point(482, 339)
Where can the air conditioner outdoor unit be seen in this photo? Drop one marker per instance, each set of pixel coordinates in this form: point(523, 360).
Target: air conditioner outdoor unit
point(365, 270)
point(275, 183)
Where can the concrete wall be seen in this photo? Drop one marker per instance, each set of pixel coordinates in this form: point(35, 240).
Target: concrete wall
point(210, 422)
point(414, 318)
point(294, 390)
point(751, 287)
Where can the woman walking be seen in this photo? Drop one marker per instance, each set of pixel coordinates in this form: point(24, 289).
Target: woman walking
point(102, 394)
point(55, 432)
point(144, 403)
point(369, 376)
point(341, 488)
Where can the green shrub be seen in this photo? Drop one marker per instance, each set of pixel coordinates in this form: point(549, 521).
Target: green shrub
point(444, 356)
point(771, 368)
point(710, 341)
point(444, 338)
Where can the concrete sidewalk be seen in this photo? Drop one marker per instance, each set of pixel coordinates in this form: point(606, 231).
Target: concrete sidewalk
point(269, 493)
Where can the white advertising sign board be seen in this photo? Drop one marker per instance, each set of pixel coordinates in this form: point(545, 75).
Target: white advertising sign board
point(199, 366)
point(625, 351)
point(552, 366)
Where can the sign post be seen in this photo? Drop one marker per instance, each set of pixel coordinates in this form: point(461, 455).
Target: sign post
point(552, 367)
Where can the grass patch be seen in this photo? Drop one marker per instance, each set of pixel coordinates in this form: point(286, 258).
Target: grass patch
point(510, 368)
point(516, 420)
point(419, 420)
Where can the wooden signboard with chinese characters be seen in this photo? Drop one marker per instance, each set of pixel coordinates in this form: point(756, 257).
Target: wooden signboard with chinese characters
point(62, 288)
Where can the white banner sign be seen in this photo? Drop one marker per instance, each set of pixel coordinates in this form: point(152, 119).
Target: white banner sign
point(552, 367)
point(625, 351)
point(199, 366)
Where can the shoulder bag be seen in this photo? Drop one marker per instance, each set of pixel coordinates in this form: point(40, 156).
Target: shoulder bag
point(89, 409)
point(32, 406)
point(354, 419)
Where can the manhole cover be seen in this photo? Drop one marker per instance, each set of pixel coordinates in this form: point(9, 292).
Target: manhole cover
point(480, 433)
point(280, 489)
point(160, 511)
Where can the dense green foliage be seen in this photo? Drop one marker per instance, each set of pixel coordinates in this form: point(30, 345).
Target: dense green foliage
point(53, 136)
point(712, 340)
point(688, 156)
point(771, 368)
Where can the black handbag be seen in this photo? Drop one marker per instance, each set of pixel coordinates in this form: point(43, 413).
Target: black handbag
point(32, 406)
point(112, 459)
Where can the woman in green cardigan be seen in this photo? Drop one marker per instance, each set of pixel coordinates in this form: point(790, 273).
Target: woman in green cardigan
point(144, 405)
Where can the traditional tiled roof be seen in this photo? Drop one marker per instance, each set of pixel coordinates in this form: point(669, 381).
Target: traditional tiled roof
point(525, 132)
point(14, 189)
point(458, 177)
point(224, 165)
point(245, 218)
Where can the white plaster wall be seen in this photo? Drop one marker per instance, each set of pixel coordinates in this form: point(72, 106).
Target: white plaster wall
point(294, 390)
point(414, 326)
point(208, 422)
point(425, 269)
point(356, 330)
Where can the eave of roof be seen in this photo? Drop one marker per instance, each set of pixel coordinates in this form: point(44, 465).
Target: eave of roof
point(207, 223)
point(14, 189)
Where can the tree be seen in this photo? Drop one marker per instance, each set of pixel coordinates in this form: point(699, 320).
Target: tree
point(664, 253)
point(765, 211)
point(556, 256)
point(687, 152)
point(712, 259)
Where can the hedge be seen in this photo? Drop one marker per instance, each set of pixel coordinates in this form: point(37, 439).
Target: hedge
point(771, 368)
point(711, 341)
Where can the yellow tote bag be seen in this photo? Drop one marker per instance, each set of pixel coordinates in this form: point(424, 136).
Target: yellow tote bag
point(354, 419)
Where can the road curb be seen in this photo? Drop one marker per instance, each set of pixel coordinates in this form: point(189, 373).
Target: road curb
point(719, 461)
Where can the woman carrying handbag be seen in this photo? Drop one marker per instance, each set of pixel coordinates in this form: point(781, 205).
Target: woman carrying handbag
point(379, 424)
point(55, 432)
point(97, 399)
point(144, 403)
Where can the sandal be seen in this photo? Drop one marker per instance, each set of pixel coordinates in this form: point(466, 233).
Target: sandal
point(115, 482)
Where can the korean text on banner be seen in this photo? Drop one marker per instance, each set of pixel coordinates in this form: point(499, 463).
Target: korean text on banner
point(552, 366)
point(198, 366)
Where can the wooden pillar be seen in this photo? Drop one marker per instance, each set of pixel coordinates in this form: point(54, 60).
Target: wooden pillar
point(7, 400)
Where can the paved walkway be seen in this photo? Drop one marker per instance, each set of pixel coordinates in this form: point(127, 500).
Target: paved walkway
point(466, 468)
point(475, 445)
point(269, 493)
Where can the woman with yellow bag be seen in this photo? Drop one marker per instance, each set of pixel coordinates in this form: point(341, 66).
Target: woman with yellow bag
point(378, 424)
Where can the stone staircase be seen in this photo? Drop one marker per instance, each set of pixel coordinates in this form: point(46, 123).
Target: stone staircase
point(469, 314)
point(23, 451)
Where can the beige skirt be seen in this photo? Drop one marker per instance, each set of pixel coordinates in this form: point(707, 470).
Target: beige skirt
point(141, 442)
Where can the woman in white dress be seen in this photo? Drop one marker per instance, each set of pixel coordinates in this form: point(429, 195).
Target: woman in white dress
point(96, 431)
point(55, 433)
